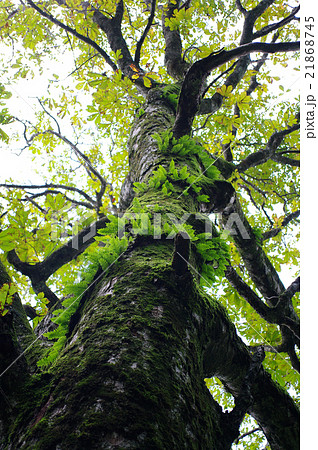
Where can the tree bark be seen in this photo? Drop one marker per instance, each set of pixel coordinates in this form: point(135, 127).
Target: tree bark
point(132, 372)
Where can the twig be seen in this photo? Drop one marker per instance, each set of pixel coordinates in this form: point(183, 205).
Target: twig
point(248, 433)
point(80, 36)
point(144, 34)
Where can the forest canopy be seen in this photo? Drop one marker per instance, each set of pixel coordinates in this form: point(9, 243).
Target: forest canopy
point(161, 121)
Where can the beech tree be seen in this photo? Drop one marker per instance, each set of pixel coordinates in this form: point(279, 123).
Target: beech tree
point(142, 302)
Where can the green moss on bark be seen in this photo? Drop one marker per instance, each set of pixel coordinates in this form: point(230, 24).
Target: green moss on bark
point(132, 371)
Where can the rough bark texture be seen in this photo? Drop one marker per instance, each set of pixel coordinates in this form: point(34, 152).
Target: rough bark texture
point(132, 372)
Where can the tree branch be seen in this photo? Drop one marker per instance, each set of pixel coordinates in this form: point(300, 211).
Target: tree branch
point(240, 7)
point(227, 358)
point(90, 167)
point(248, 294)
point(274, 232)
point(285, 160)
point(144, 34)
point(53, 191)
point(83, 159)
point(269, 28)
point(175, 64)
point(211, 105)
point(253, 84)
point(242, 436)
point(257, 263)
point(232, 421)
point(91, 203)
point(261, 156)
point(294, 359)
point(293, 288)
point(83, 38)
point(192, 87)
point(40, 272)
point(50, 115)
point(250, 18)
point(277, 315)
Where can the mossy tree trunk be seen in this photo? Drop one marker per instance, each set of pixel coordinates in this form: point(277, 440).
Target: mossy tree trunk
point(132, 372)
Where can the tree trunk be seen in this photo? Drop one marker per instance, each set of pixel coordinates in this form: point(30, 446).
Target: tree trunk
point(146, 335)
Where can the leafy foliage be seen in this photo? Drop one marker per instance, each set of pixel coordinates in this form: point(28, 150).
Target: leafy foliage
point(101, 258)
point(7, 292)
point(77, 138)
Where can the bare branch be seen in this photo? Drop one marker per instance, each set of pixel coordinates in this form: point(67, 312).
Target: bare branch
point(49, 114)
point(54, 191)
point(253, 84)
point(83, 159)
point(30, 199)
point(50, 186)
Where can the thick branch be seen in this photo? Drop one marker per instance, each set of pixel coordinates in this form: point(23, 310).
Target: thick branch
point(244, 400)
point(227, 358)
point(258, 265)
point(277, 314)
point(285, 160)
point(41, 271)
point(175, 64)
point(293, 288)
point(260, 269)
point(192, 88)
point(250, 19)
point(248, 294)
point(294, 359)
point(240, 7)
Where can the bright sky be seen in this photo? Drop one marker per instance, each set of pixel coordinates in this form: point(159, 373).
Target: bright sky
point(23, 105)
point(23, 170)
